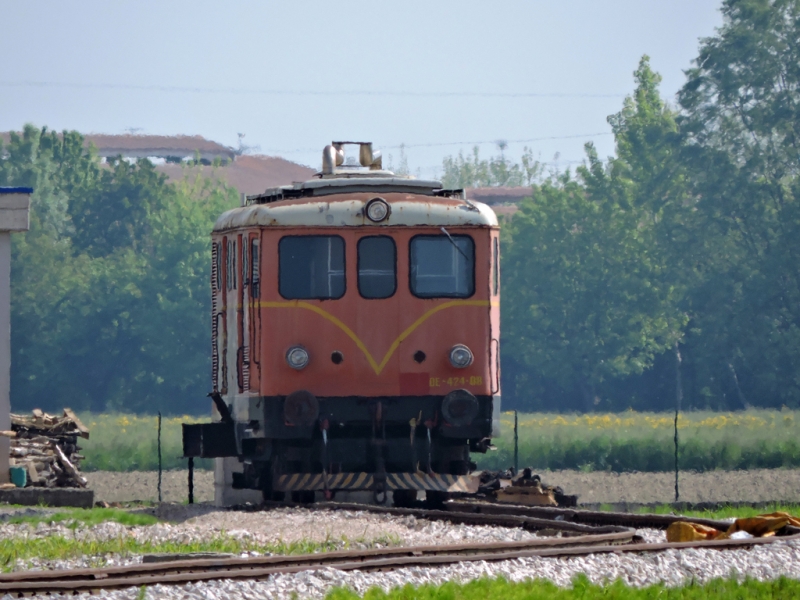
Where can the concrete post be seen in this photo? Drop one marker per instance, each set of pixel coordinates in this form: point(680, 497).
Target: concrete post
point(14, 208)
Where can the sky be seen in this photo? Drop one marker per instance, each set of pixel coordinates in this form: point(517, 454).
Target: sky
point(437, 76)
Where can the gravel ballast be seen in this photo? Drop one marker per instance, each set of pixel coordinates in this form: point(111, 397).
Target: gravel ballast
point(672, 567)
point(364, 529)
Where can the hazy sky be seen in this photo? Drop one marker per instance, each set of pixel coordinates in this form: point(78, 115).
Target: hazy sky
point(293, 76)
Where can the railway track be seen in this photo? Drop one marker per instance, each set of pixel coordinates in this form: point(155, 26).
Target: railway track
point(533, 518)
point(574, 533)
point(196, 571)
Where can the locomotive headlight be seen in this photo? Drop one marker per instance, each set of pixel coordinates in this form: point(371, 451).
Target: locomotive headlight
point(377, 210)
point(460, 356)
point(297, 357)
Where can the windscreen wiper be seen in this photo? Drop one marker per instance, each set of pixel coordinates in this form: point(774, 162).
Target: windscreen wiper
point(452, 241)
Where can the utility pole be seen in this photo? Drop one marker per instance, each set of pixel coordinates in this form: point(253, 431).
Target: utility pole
point(14, 216)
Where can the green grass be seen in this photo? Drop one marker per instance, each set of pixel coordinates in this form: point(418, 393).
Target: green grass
point(727, 512)
point(77, 517)
point(501, 589)
point(126, 442)
point(56, 547)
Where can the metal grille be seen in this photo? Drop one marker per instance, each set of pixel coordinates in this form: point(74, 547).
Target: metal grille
point(214, 330)
point(246, 367)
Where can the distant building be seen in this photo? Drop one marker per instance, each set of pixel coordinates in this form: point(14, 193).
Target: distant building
point(171, 148)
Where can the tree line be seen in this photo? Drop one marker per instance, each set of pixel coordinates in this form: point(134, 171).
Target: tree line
point(676, 257)
point(110, 296)
point(679, 257)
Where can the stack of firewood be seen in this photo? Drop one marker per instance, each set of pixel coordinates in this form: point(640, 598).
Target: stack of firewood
point(47, 446)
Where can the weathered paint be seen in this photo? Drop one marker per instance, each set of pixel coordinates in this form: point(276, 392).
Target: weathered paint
point(378, 338)
point(407, 210)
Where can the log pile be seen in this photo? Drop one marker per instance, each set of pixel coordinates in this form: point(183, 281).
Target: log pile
point(47, 446)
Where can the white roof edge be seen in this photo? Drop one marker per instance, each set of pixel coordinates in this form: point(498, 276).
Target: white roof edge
point(419, 212)
point(369, 181)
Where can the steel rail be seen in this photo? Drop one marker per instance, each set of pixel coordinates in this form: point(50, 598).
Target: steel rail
point(587, 517)
point(89, 580)
point(501, 519)
point(533, 518)
point(203, 569)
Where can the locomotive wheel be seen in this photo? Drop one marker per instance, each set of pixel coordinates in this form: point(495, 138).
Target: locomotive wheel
point(404, 498)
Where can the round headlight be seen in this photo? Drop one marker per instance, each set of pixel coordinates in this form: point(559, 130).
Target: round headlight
point(377, 210)
point(297, 357)
point(460, 356)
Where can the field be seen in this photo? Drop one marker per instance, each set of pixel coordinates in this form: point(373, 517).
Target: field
point(126, 442)
point(630, 441)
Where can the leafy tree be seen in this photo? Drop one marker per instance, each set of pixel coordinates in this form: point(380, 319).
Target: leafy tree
point(110, 299)
point(741, 118)
point(115, 212)
point(582, 290)
point(473, 171)
point(588, 284)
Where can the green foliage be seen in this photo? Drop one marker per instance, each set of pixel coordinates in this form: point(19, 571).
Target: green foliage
point(110, 301)
point(741, 120)
point(502, 589)
point(687, 240)
point(473, 171)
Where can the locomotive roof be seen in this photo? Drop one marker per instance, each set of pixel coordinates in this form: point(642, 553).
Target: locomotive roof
point(340, 201)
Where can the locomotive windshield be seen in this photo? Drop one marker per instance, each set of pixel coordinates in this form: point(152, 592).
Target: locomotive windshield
point(442, 266)
point(311, 267)
point(377, 267)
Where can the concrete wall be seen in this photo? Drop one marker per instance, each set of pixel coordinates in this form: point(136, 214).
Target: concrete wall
point(14, 208)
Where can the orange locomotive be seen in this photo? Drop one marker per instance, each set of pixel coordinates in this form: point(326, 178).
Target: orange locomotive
point(356, 331)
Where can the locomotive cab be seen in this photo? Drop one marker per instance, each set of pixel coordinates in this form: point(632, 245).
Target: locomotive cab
point(355, 337)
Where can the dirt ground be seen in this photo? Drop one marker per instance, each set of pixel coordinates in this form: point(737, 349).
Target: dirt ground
point(761, 485)
point(143, 485)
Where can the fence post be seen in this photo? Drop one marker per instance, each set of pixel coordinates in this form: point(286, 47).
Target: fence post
point(191, 480)
point(516, 443)
point(678, 398)
point(159, 457)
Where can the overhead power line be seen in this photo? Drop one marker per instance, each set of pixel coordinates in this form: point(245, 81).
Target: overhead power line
point(539, 139)
point(300, 92)
point(472, 143)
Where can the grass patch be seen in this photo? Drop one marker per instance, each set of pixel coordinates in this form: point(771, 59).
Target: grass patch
point(632, 441)
point(727, 512)
point(58, 547)
point(501, 589)
point(127, 442)
point(87, 517)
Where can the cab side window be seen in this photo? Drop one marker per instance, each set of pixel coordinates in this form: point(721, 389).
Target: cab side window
point(377, 267)
point(442, 266)
point(311, 267)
